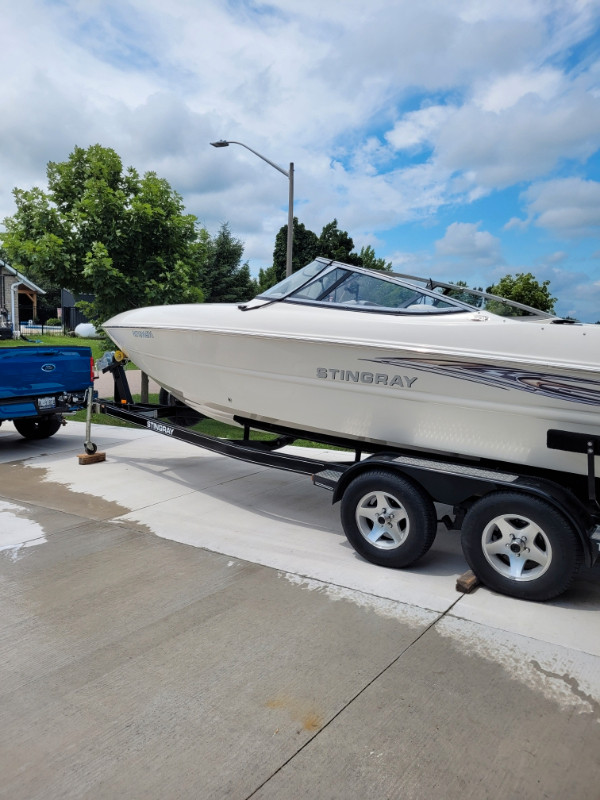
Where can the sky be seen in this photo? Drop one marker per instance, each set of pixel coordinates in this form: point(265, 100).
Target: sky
point(458, 138)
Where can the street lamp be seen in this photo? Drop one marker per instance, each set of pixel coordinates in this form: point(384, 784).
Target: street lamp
point(290, 176)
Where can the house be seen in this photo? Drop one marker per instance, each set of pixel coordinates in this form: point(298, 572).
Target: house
point(18, 300)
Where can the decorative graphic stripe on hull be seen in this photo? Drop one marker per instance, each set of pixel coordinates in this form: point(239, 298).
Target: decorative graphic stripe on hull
point(570, 389)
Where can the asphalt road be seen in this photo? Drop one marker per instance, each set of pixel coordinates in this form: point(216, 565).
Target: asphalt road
point(180, 625)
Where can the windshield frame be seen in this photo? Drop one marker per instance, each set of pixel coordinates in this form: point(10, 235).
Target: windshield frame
point(432, 284)
point(330, 265)
point(424, 286)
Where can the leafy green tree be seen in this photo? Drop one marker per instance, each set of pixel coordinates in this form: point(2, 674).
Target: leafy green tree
point(337, 244)
point(304, 250)
point(369, 260)
point(104, 230)
point(463, 293)
point(524, 288)
point(223, 278)
point(332, 243)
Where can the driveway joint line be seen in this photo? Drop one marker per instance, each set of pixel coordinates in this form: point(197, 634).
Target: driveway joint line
point(361, 691)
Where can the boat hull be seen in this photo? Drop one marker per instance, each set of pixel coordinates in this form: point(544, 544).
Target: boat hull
point(475, 403)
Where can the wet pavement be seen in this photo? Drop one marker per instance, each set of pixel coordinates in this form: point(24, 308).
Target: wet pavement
point(179, 624)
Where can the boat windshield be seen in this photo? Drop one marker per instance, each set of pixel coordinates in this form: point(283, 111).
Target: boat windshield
point(344, 286)
point(482, 301)
point(341, 285)
point(294, 281)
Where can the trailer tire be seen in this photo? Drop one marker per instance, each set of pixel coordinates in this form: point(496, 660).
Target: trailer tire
point(521, 546)
point(388, 520)
point(38, 427)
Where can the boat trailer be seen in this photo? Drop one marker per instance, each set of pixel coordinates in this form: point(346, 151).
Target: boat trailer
point(524, 533)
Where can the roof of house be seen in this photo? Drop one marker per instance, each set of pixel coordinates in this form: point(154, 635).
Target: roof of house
point(22, 278)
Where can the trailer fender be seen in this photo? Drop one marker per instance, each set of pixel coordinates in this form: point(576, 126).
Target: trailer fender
point(444, 482)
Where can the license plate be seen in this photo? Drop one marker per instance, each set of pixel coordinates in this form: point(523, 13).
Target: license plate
point(46, 402)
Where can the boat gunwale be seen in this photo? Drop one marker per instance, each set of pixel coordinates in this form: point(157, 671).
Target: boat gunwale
point(469, 356)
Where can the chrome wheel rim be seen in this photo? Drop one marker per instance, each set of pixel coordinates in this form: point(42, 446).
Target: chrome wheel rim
point(516, 547)
point(382, 520)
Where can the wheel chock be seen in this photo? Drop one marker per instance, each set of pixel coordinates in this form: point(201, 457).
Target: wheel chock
point(91, 458)
point(467, 582)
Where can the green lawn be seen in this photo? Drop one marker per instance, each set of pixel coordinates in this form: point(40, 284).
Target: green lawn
point(97, 345)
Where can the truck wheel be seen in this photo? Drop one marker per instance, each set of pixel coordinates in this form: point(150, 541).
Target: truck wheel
point(521, 546)
point(387, 519)
point(38, 427)
point(182, 414)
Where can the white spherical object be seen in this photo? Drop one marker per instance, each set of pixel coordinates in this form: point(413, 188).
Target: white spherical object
point(86, 331)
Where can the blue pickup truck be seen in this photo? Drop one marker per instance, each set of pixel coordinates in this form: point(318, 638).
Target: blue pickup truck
point(39, 384)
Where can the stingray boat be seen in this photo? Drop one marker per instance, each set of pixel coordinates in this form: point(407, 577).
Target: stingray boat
point(379, 359)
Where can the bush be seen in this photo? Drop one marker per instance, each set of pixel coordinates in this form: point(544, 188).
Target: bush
point(53, 321)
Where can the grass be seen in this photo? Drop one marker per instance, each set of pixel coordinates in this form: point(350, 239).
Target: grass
point(98, 346)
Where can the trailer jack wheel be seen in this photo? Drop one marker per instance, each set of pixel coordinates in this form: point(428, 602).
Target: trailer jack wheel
point(521, 546)
point(387, 519)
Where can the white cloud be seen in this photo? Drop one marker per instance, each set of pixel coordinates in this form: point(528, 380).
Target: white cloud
point(418, 127)
point(390, 111)
point(521, 142)
point(568, 207)
point(464, 240)
point(516, 223)
point(578, 295)
point(507, 90)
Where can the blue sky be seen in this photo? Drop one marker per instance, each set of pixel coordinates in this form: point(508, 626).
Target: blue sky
point(460, 139)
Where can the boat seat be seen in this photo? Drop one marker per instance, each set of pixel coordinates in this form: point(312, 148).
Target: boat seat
point(420, 308)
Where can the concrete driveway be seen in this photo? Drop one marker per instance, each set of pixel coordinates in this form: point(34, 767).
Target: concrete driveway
point(181, 625)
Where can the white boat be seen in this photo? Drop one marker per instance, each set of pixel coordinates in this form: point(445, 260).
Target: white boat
point(381, 359)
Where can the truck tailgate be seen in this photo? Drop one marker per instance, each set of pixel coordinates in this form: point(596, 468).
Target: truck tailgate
point(27, 371)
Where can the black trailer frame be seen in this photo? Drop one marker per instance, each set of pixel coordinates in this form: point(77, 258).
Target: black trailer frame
point(563, 508)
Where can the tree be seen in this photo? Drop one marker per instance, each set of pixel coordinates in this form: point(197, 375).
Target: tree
point(463, 293)
point(524, 288)
point(332, 243)
point(337, 244)
point(369, 260)
point(222, 278)
point(103, 230)
point(304, 250)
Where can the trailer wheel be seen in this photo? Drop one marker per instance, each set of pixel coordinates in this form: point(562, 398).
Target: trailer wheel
point(90, 448)
point(387, 519)
point(521, 546)
point(38, 427)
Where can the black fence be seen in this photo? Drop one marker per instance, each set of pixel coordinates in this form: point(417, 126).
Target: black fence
point(30, 331)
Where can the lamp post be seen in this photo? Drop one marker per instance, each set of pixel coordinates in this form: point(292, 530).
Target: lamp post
point(289, 174)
